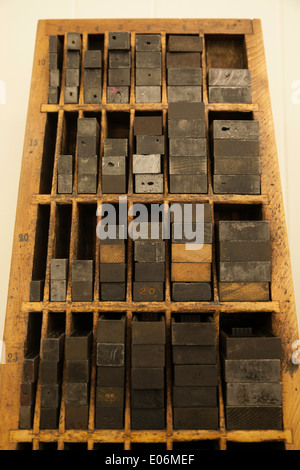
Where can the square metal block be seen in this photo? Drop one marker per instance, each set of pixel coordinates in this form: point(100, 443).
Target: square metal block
point(111, 354)
point(73, 42)
point(65, 184)
point(149, 183)
point(65, 164)
point(53, 95)
point(118, 94)
point(148, 42)
point(58, 290)
point(148, 77)
point(71, 94)
point(92, 78)
point(72, 77)
point(92, 59)
point(119, 77)
point(72, 59)
point(59, 269)
point(115, 147)
point(88, 165)
point(148, 94)
point(87, 184)
point(93, 95)
point(118, 40)
point(119, 59)
point(36, 291)
point(54, 78)
point(113, 165)
point(113, 291)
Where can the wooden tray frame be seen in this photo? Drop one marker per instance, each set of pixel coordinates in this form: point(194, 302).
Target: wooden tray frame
point(282, 305)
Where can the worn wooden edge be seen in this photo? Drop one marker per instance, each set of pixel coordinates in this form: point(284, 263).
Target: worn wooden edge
point(285, 324)
point(197, 307)
point(151, 436)
point(192, 26)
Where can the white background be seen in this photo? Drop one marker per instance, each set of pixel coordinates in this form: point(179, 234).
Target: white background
point(281, 29)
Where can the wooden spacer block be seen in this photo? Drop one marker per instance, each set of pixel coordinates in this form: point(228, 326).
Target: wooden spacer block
point(112, 254)
point(244, 291)
point(191, 272)
point(180, 253)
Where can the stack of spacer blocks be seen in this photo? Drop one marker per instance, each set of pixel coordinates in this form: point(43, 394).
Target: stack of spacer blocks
point(88, 137)
point(191, 262)
point(58, 279)
point(251, 374)
point(114, 166)
point(110, 389)
point(187, 148)
point(51, 378)
point(55, 62)
point(82, 280)
point(148, 71)
point(148, 371)
point(28, 389)
point(195, 390)
point(65, 174)
point(184, 72)
point(119, 67)
point(73, 61)
point(113, 265)
point(148, 177)
point(149, 264)
point(244, 260)
point(77, 389)
point(229, 86)
point(92, 76)
point(236, 157)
